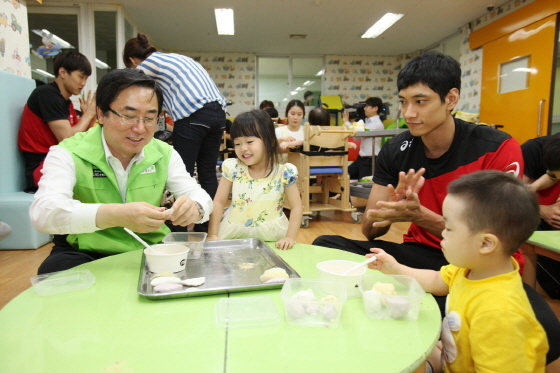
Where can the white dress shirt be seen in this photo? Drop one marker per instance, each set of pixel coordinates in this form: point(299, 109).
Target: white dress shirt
point(366, 146)
point(55, 211)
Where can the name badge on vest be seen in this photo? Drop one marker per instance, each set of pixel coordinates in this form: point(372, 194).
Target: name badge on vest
point(149, 170)
point(98, 173)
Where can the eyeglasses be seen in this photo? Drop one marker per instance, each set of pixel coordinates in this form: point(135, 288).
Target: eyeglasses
point(131, 121)
point(551, 175)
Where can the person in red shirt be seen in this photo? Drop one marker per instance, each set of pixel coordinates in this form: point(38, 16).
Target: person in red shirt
point(49, 116)
point(414, 168)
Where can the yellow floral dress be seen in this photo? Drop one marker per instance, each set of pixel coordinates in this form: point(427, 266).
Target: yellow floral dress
point(256, 209)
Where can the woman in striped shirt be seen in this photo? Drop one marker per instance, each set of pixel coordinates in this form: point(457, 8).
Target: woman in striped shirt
point(194, 102)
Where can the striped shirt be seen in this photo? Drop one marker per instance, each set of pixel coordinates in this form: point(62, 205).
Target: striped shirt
point(185, 83)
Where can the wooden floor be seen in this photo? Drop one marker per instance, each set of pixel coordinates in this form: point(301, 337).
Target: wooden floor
point(19, 265)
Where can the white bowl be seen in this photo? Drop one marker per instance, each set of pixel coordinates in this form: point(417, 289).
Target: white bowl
point(166, 257)
point(331, 270)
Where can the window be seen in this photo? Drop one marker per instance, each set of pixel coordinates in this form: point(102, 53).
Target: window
point(281, 79)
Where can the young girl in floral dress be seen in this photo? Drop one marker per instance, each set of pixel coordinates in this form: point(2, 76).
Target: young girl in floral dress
point(259, 184)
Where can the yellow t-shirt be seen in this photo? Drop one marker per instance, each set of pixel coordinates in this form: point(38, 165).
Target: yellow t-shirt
point(490, 326)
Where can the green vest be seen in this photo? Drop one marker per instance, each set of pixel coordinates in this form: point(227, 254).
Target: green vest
point(96, 183)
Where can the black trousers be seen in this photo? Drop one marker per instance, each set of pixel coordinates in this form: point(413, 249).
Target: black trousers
point(427, 257)
point(63, 256)
point(32, 161)
point(360, 168)
point(197, 139)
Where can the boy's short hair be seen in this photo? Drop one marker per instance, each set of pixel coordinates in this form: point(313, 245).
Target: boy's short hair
point(439, 72)
point(71, 61)
point(551, 153)
point(499, 203)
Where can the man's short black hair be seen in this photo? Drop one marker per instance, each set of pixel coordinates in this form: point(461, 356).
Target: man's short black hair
point(439, 72)
point(71, 61)
point(116, 81)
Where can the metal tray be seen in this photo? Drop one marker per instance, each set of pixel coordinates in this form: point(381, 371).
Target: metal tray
point(229, 266)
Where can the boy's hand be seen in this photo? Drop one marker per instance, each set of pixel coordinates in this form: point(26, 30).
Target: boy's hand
point(213, 237)
point(285, 243)
point(385, 263)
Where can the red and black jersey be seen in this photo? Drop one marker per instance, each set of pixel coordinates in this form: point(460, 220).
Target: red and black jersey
point(45, 104)
point(474, 148)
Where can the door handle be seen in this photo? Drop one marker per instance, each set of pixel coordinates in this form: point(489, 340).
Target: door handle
point(539, 119)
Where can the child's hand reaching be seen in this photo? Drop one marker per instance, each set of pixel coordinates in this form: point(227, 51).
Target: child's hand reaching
point(212, 237)
point(384, 263)
point(285, 243)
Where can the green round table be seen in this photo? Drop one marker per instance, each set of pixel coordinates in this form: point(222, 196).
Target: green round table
point(109, 328)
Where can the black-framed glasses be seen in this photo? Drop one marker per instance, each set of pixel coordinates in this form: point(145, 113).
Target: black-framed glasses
point(551, 175)
point(131, 121)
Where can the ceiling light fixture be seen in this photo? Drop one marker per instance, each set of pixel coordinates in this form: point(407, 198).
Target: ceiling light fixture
point(100, 64)
point(224, 21)
point(321, 72)
point(55, 39)
point(383, 24)
point(43, 72)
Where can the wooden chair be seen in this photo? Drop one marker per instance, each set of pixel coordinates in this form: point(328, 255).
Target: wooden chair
point(332, 165)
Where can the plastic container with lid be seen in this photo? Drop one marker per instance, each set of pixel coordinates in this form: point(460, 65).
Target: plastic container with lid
point(246, 312)
point(313, 302)
point(193, 240)
point(62, 281)
point(402, 301)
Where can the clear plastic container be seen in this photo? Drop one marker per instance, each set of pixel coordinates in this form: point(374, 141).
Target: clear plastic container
point(246, 312)
point(402, 301)
point(313, 302)
point(193, 240)
point(62, 282)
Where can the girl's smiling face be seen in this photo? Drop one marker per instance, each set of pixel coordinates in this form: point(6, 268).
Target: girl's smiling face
point(250, 150)
point(295, 115)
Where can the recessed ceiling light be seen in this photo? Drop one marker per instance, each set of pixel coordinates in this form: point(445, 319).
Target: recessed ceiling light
point(298, 36)
point(224, 21)
point(383, 24)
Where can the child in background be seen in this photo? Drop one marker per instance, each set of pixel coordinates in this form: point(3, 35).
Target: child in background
point(259, 183)
point(489, 324)
point(292, 133)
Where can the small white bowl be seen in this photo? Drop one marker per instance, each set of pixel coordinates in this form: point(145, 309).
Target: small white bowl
point(166, 257)
point(331, 270)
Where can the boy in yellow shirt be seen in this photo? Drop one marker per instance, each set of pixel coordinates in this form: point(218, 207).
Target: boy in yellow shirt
point(489, 324)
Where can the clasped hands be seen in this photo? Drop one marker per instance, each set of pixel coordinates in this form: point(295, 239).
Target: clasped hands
point(403, 204)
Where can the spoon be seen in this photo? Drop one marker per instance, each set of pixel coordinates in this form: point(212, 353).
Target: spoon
point(369, 260)
point(138, 238)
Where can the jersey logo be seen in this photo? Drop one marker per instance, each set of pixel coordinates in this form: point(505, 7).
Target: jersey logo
point(406, 144)
point(98, 173)
point(149, 170)
point(513, 168)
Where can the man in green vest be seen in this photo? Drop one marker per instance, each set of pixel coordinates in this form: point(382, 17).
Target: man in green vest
point(113, 176)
